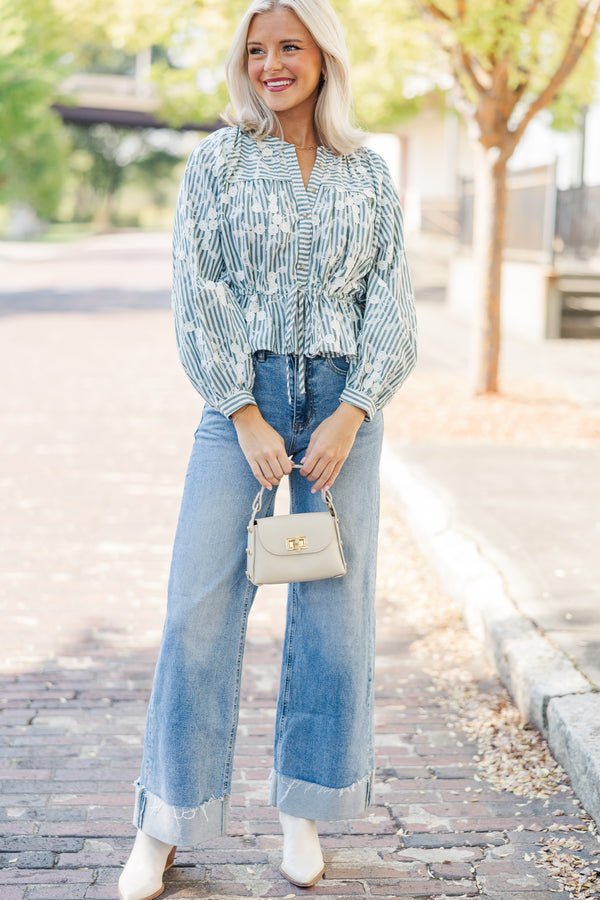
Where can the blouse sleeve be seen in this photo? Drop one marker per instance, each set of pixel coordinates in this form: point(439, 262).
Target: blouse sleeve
point(210, 327)
point(387, 346)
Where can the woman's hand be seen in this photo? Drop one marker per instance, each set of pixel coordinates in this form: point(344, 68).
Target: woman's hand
point(330, 444)
point(262, 446)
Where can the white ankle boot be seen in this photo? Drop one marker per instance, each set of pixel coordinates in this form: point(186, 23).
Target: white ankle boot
point(302, 863)
point(142, 877)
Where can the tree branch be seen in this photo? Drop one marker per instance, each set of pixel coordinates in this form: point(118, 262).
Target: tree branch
point(435, 11)
point(460, 54)
point(460, 57)
point(462, 64)
point(512, 98)
point(548, 6)
point(533, 5)
point(520, 89)
point(581, 34)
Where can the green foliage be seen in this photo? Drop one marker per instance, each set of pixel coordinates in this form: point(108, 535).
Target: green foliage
point(400, 53)
point(188, 95)
point(106, 160)
point(105, 60)
point(190, 79)
point(101, 144)
point(578, 92)
point(33, 148)
point(509, 52)
point(388, 47)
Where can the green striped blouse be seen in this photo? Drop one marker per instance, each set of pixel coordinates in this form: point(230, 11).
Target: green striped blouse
point(262, 263)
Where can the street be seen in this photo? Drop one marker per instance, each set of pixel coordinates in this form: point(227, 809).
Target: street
point(97, 419)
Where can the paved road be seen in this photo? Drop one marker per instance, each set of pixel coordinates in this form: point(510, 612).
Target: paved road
point(96, 430)
point(539, 512)
point(503, 493)
point(530, 492)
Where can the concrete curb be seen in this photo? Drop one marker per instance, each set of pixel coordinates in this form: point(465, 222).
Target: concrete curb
point(548, 689)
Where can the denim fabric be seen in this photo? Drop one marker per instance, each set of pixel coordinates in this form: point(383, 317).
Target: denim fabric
point(323, 753)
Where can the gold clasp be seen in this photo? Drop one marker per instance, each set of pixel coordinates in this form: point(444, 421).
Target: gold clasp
point(296, 543)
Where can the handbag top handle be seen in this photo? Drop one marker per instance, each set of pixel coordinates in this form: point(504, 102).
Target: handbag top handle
point(325, 495)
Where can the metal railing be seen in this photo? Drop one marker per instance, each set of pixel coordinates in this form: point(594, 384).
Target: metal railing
point(530, 214)
point(541, 221)
point(578, 222)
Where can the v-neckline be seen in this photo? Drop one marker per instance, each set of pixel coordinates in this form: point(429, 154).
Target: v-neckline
point(306, 186)
point(310, 188)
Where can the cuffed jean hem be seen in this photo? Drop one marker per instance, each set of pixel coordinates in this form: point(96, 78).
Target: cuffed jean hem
point(313, 801)
point(179, 825)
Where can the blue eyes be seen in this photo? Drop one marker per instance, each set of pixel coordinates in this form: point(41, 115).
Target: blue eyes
point(254, 51)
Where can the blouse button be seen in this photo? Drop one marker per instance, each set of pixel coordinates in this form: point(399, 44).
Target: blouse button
point(301, 267)
point(313, 190)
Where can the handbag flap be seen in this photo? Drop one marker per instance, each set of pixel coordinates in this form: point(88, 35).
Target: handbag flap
point(301, 533)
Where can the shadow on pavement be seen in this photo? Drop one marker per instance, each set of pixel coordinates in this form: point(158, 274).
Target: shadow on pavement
point(47, 301)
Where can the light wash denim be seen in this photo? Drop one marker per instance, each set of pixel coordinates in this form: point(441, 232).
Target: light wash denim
point(323, 752)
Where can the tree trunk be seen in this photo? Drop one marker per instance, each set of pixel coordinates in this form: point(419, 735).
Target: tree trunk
point(488, 241)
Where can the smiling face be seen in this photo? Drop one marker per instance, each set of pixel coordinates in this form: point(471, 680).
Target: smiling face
point(284, 62)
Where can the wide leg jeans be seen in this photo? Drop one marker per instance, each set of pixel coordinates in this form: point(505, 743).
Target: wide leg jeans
point(323, 743)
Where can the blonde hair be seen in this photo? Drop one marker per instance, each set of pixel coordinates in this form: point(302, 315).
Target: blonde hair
point(333, 109)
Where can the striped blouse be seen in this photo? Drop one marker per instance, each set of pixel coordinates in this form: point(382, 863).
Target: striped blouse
point(262, 263)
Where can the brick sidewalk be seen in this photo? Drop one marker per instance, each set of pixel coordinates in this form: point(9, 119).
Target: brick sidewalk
point(92, 470)
point(71, 740)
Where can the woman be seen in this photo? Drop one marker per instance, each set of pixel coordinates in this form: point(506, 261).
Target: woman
point(295, 321)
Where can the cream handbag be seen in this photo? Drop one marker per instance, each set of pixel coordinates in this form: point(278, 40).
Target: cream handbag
point(298, 547)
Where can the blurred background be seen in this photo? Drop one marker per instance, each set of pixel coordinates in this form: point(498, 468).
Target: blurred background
point(101, 102)
point(488, 114)
point(489, 118)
